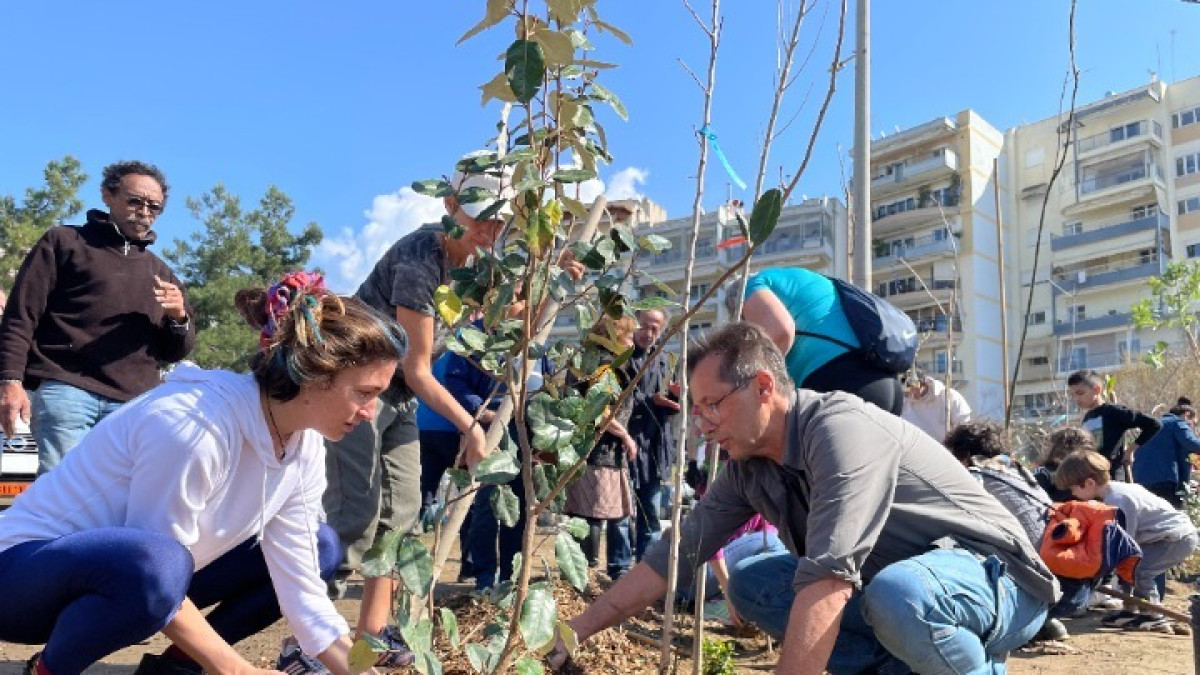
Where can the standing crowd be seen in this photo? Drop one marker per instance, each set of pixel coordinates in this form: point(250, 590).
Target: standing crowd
point(835, 524)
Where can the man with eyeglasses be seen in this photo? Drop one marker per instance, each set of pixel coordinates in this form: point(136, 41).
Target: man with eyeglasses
point(92, 316)
point(897, 560)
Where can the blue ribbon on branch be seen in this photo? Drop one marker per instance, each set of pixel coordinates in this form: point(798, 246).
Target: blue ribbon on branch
point(711, 135)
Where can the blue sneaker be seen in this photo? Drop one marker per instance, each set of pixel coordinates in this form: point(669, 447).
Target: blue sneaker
point(398, 654)
point(293, 661)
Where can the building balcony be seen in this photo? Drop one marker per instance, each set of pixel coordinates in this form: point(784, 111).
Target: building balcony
point(1122, 183)
point(903, 176)
point(1086, 279)
point(924, 247)
point(1067, 327)
point(909, 296)
point(1119, 138)
point(1093, 360)
point(1109, 230)
point(893, 223)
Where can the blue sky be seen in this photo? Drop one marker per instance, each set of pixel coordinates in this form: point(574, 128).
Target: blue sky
point(342, 105)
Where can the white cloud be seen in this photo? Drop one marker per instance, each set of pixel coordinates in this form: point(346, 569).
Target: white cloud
point(624, 184)
point(348, 256)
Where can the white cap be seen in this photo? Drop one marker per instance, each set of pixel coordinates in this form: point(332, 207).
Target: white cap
point(499, 186)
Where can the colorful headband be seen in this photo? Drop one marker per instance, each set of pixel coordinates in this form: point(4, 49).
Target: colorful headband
point(279, 302)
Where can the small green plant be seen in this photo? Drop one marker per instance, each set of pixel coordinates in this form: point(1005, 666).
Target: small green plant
point(718, 658)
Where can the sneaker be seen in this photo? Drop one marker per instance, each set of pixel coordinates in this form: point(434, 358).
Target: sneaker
point(156, 664)
point(1119, 619)
point(398, 654)
point(293, 661)
point(1053, 629)
point(1151, 623)
point(1105, 602)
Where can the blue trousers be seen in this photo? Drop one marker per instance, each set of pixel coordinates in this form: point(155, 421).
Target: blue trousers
point(91, 593)
point(939, 612)
point(490, 545)
point(62, 416)
point(648, 526)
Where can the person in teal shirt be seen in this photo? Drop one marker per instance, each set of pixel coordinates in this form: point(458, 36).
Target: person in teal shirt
point(796, 307)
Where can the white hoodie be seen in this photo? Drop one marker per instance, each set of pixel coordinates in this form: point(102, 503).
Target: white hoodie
point(193, 459)
point(929, 413)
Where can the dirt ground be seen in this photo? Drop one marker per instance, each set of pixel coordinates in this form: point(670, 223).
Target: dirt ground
point(1091, 649)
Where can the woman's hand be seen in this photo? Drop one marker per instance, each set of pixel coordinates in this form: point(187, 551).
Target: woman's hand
point(474, 446)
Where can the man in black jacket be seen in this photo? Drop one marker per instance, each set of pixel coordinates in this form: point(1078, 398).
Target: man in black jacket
point(92, 316)
point(650, 426)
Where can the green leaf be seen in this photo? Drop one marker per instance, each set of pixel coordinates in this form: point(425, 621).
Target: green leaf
point(525, 67)
point(450, 627)
point(610, 98)
point(765, 215)
point(538, 617)
point(527, 665)
point(623, 237)
point(575, 207)
point(449, 305)
point(598, 65)
point(556, 47)
point(362, 656)
point(616, 32)
point(601, 255)
point(577, 527)
point(473, 338)
point(551, 432)
point(572, 175)
point(654, 243)
point(496, 11)
point(517, 560)
point(415, 566)
point(564, 11)
point(505, 505)
point(497, 88)
point(571, 560)
point(380, 560)
point(542, 483)
point(539, 232)
point(479, 657)
point(433, 188)
point(427, 663)
point(652, 302)
point(418, 635)
point(460, 478)
point(451, 227)
point(497, 468)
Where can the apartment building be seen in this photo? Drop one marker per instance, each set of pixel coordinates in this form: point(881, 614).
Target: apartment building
point(811, 234)
point(935, 248)
point(1127, 202)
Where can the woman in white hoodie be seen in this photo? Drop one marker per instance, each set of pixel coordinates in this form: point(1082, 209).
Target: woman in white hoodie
point(204, 491)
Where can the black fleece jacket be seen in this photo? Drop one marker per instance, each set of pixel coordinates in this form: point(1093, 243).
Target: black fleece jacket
point(83, 312)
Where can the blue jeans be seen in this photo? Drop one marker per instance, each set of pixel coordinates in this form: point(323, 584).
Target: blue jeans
point(62, 416)
point(88, 594)
point(648, 527)
point(617, 549)
point(940, 612)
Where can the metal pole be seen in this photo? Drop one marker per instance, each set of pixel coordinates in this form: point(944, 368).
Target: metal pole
point(1000, 267)
point(861, 272)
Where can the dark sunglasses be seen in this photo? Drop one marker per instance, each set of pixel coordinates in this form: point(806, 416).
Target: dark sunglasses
point(138, 204)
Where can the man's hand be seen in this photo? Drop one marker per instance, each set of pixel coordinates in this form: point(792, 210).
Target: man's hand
point(170, 298)
point(474, 446)
point(571, 266)
point(14, 402)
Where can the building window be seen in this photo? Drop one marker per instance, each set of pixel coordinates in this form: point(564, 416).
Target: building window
point(1077, 312)
point(1193, 250)
point(1037, 318)
point(1121, 133)
point(1190, 205)
point(1187, 165)
point(1074, 228)
point(1143, 211)
point(1039, 360)
point(1185, 118)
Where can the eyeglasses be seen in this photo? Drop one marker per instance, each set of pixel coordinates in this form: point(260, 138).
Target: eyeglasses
point(138, 203)
point(711, 412)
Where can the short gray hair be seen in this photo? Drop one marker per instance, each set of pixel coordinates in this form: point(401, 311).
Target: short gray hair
point(744, 349)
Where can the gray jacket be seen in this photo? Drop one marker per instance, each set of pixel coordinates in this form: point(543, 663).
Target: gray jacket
point(859, 489)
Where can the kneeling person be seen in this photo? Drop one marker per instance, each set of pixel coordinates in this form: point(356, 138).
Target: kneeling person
point(896, 554)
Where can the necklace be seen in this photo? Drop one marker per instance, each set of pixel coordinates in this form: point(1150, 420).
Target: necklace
point(274, 426)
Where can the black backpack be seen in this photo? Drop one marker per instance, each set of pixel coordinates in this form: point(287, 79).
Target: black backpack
point(887, 337)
